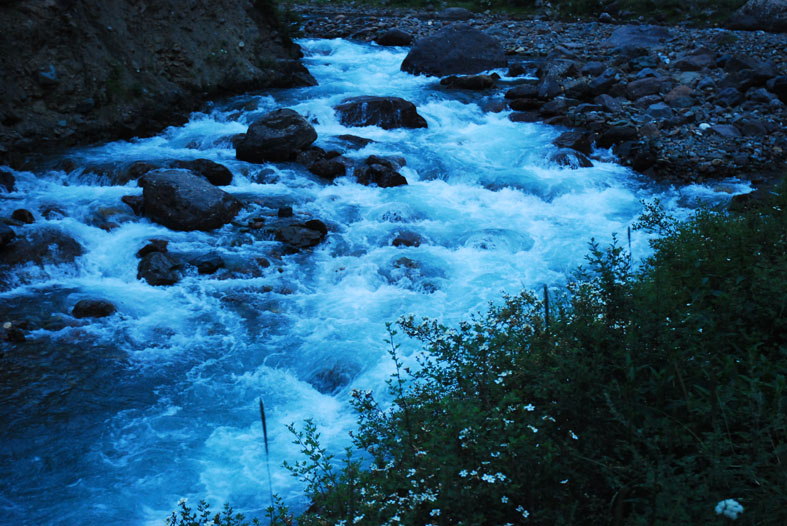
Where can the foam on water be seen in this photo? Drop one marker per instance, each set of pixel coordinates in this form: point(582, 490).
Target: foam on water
point(113, 421)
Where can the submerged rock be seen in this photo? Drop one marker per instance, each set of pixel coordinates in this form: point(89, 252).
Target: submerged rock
point(7, 234)
point(569, 158)
point(40, 246)
point(276, 136)
point(380, 172)
point(159, 268)
point(454, 50)
point(7, 180)
point(93, 309)
point(302, 236)
point(180, 200)
point(385, 112)
point(208, 263)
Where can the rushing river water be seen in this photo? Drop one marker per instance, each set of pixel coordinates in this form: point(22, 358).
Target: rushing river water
point(111, 422)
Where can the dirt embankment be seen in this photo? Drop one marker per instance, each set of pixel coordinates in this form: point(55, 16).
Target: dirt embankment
point(76, 71)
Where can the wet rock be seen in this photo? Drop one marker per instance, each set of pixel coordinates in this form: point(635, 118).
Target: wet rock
point(181, 200)
point(328, 168)
point(604, 82)
point(751, 127)
point(638, 155)
point(616, 135)
point(154, 245)
point(330, 381)
point(729, 97)
point(569, 158)
point(7, 180)
point(578, 140)
point(766, 15)
point(216, 174)
point(208, 263)
point(276, 136)
point(454, 50)
point(380, 172)
point(40, 246)
point(524, 116)
point(284, 212)
point(608, 102)
point(525, 104)
point(469, 82)
point(394, 37)
point(11, 333)
point(93, 309)
point(659, 111)
point(159, 269)
point(407, 239)
point(7, 234)
point(647, 86)
point(354, 142)
point(696, 60)
point(386, 112)
point(135, 202)
point(523, 91)
point(301, 236)
point(24, 216)
point(310, 155)
point(636, 37)
point(778, 86)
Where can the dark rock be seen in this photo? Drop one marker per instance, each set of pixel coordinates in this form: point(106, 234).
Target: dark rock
point(208, 263)
point(469, 82)
point(647, 86)
point(766, 15)
point(695, 60)
point(23, 215)
point(407, 239)
point(47, 77)
point(328, 168)
point(394, 37)
point(7, 234)
point(578, 140)
point(12, 334)
point(181, 200)
point(751, 127)
point(647, 100)
point(724, 130)
point(609, 103)
point(310, 155)
point(558, 106)
point(355, 142)
point(525, 104)
point(578, 89)
point(135, 171)
point(729, 97)
point(455, 13)
point(159, 268)
point(778, 86)
point(380, 172)
point(454, 50)
point(516, 69)
point(40, 246)
point(136, 202)
point(605, 81)
point(386, 112)
point(216, 174)
point(154, 245)
point(7, 180)
point(523, 91)
point(660, 111)
point(645, 73)
point(524, 116)
point(316, 224)
point(550, 88)
point(593, 69)
point(616, 135)
point(634, 37)
point(638, 155)
point(285, 211)
point(299, 237)
point(276, 136)
point(569, 158)
point(93, 309)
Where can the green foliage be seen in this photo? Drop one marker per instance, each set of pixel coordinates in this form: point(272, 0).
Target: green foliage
point(203, 516)
point(648, 397)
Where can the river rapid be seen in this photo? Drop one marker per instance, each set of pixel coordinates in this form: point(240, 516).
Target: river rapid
point(111, 421)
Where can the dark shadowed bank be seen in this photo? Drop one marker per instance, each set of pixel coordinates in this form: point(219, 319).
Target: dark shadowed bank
point(77, 71)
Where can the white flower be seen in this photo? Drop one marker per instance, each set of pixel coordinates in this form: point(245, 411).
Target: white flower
point(182, 501)
point(571, 433)
point(435, 513)
point(463, 473)
point(488, 478)
point(504, 499)
point(729, 508)
point(533, 429)
point(523, 511)
point(529, 407)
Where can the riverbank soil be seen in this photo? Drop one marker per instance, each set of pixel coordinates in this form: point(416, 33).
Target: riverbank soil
point(678, 103)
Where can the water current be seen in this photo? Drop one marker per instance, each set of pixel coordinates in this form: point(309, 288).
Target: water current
point(112, 421)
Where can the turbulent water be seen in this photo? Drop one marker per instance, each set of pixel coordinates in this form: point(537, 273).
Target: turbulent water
point(112, 421)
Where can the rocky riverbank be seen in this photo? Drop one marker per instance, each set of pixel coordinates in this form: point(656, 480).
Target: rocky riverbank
point(678, 103)
point(75, 72)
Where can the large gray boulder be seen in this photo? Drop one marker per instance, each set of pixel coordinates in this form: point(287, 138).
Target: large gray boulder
point(455, 50)
point(276, 136)
point(180, 200)
point(767, 15)
point(385, 112)
point(637, 37)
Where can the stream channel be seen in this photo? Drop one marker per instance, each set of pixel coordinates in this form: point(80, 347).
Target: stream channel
point(111, 421)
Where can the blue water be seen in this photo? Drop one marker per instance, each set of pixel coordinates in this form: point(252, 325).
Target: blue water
point(112, 421)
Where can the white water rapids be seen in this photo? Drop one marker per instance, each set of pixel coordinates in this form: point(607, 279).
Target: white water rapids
point(112, 421)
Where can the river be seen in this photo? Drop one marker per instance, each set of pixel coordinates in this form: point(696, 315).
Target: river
point(111, 421)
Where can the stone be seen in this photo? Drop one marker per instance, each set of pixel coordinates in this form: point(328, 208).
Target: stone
point(525, 104)
point(695, 60)
point(603, 82)
point(593, 69)
point(608, 102)
point(455, 13)
point(578, 140)
point(276, 136)
point(729, 97)
point(616, 135)
point(284, 212)
point(23, 215)
point(522, 91)
point(385, 112)
point(180, 200)
point(469, 82)
point(394, 37)
point(328, 168)
point(724, 130)
point(93, 309)
point(766, 15)
point(159, 269)
point(40, 246)
point(569, 158)
point(208, 263)
point(7, 180)
point(630, 36)
point(407, 239)
point(7, 234)
point(778, 86)
point(380, 172)
point(135, 202)
point(647, 86)
point(154, 245)
point(660, 111)
point(354, 142)
point(299, 237)
point(454, 50)
point(216, 174)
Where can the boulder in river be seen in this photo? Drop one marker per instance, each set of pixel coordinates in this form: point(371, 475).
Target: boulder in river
point(208, 263)
point(455, 50)
point(6, 234)
point(159, 268)
point(394, 37)
point(7, 180)
point(469, 82)
point(276, 136)
point(180, 200)
point(568, 158)
point(385, 112)
point(23, 215)
point(216, 174)
point(380, 172)
point(302, 236)
point(40, 246)
point(93, 309)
